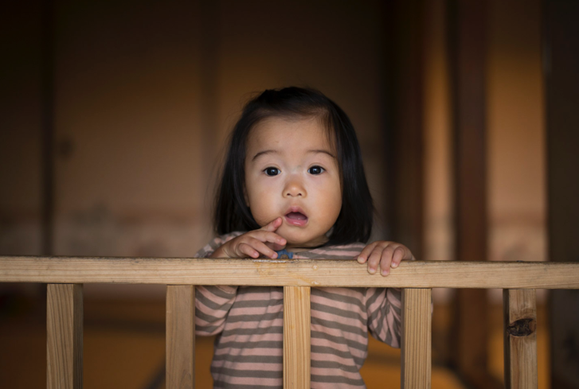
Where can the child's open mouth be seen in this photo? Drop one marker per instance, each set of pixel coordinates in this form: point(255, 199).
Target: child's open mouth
point(296, 218)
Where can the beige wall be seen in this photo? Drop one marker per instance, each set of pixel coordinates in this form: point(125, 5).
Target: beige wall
point(516, 137)
point(128, 101)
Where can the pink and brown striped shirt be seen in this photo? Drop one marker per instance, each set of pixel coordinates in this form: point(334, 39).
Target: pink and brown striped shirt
point(248, 322)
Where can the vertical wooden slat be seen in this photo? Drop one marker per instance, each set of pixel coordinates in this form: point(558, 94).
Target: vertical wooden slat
point(180, 336)
point(64, 316)
point(296, 337)
point(520, 338)
point(416, 338)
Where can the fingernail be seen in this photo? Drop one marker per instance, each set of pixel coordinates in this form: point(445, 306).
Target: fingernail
point(371, 271)
point(360, 260)
point(394, 265)
point(385, 272)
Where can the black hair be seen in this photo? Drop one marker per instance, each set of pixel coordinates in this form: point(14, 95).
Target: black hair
point(354, 223)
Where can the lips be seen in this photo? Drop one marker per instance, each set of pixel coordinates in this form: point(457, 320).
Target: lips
point(296, 217)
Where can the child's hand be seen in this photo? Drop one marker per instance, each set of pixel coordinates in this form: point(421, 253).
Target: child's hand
point(252, 243)
point(384, 255)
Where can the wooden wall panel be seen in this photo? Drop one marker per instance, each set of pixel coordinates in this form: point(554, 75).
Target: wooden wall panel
point(562, 80)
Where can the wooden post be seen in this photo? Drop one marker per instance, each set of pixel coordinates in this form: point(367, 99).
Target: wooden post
point(416, 338)
point(64, 313)
point(403, 134)
point(296, 337)
point(520, 338)
point(467, 48)
point(180, 336)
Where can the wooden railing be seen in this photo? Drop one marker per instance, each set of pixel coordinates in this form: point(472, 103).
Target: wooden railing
point(65, 276)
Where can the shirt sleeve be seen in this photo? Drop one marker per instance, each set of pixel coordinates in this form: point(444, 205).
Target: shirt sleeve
point(212, 303)
point(384, 307)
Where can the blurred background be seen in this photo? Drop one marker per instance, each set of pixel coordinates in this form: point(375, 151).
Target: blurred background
point(114, 117)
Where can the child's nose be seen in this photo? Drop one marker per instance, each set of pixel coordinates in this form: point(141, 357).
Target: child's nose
point(294, 188)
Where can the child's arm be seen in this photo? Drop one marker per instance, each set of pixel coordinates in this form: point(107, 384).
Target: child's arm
point(384, 255)
point(384, 306)
point(212, 304)
point(384, 309)
point(252, 243)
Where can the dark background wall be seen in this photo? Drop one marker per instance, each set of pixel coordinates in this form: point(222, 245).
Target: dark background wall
point(141, 97)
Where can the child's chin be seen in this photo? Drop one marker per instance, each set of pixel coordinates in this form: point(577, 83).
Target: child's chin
point(292, 237)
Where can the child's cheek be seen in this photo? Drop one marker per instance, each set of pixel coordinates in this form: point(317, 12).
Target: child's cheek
point(261, 206)
point(261, 214)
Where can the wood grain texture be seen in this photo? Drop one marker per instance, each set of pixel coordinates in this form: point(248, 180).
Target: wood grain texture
point(520, 338)
point(296, 337)
point(314, 273)
point(180, 337)
point(416, 339)
point(64, 317)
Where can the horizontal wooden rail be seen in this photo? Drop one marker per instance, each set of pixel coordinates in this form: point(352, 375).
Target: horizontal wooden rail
point(313, 273)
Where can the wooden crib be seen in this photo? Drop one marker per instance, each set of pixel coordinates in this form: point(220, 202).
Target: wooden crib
point(65, 277)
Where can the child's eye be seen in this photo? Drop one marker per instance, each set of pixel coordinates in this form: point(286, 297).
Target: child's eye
point(316, 170)
point(271, 171)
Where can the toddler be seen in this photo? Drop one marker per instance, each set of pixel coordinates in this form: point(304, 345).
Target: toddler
point(293, 186)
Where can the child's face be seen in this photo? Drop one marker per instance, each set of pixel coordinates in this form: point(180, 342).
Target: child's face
point(292, 171)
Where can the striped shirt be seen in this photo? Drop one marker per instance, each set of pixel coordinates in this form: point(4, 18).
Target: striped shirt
point(248, 322)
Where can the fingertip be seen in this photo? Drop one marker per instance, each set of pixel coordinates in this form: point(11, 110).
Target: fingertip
point(361, 259)
point(272, 225)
